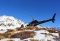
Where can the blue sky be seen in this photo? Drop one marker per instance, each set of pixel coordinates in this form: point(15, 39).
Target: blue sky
point(39, 9)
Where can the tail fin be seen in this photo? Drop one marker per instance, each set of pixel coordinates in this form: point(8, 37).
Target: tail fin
point(53, 18)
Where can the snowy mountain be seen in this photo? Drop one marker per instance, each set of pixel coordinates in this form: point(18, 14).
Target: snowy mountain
point(9, 22)
point(11, 30)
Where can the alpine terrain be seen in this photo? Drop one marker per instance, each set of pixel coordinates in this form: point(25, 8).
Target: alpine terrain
point(12, 29)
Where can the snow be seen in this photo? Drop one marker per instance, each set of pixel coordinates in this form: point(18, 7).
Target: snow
point(39, 26)
point(3, 30)
point(15, 39)
point(9, 22)
point(55, 34)
point(40, 36)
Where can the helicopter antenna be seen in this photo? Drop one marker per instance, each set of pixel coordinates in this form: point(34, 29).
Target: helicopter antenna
point(32, 17)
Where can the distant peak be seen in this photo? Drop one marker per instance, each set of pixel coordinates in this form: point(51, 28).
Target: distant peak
point(9, 22)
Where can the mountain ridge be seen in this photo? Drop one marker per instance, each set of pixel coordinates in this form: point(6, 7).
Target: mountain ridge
point(8, 22)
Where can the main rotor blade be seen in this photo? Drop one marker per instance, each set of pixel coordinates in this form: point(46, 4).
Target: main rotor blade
point(32, 17)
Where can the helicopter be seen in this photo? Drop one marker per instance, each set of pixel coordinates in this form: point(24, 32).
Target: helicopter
point(36, 22)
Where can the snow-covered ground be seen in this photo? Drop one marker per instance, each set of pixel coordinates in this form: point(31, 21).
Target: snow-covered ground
point(39, 36)
point(15, 39)
point(3, 30)
point(42, 37)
